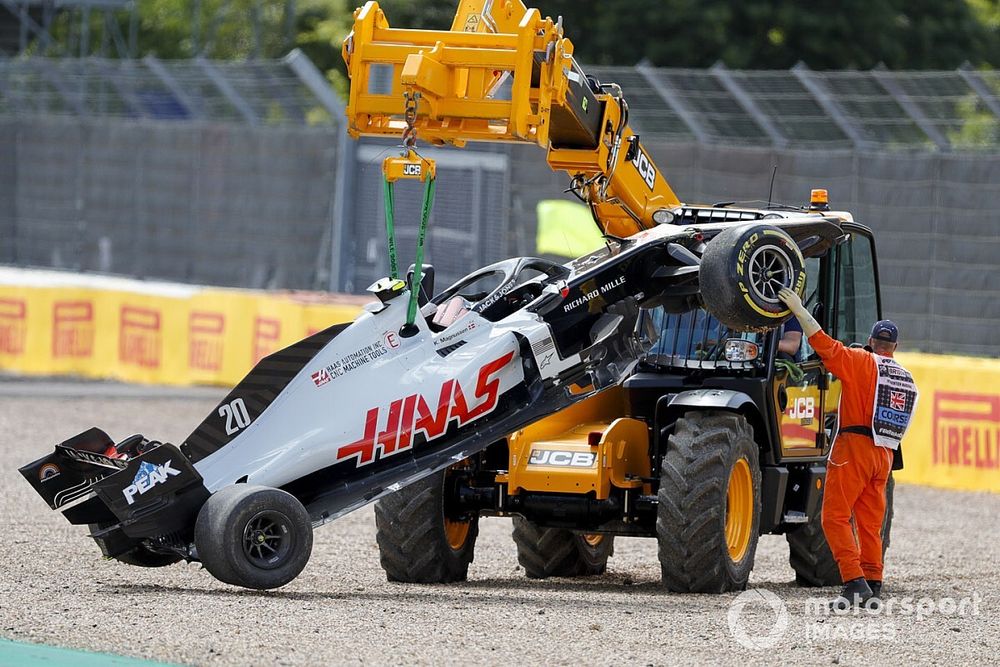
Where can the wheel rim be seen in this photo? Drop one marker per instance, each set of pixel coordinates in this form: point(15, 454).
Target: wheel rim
point(457, 532)
point(739, 510)
point(267, 539)
point(593, 539)
point(770, 269)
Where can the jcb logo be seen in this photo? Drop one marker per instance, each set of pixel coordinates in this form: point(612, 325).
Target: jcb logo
point(411, 169)
point(551, 457)
point(803, 407)
point(645, 168)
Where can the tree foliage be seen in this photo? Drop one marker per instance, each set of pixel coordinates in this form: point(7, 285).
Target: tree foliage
point(753, 34)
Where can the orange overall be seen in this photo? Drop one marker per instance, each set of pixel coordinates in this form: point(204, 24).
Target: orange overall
point(858, 470)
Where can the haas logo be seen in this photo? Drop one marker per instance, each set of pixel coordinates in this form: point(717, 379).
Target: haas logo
point(413, 414)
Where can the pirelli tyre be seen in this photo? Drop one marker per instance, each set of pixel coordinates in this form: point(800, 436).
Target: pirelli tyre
point(139, 555)
point(708, 513)
point(253, 536)
point(809, 554)
point(742, 270)
point(417, 541)
point(557, 552)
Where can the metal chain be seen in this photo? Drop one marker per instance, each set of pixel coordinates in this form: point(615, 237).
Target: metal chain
point(410, 117)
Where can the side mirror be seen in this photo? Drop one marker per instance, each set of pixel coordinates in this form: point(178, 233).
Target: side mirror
point(426, 283)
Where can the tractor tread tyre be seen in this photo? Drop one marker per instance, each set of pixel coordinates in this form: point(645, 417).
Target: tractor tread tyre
point(140, 555)
point(557, 552)
point(725, 276)
point(692, 503)
point(412, 542)
point(810, 555)
point(221, 528)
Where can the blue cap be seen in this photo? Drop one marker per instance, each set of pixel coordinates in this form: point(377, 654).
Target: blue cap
point(885, 330)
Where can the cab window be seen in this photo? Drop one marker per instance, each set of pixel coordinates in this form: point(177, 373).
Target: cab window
point(858, 307)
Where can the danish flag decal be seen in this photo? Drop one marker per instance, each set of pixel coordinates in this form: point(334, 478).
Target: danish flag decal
point(412, 414)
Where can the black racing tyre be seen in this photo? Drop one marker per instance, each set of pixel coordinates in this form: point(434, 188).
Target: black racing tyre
point(809, 554)
point(417, 542)
point(139, 555)
point(557, 552)
point(708, 517)
point(253, 536)
point(741, 272)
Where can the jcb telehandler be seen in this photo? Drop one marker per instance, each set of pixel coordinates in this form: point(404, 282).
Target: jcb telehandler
point(712, 440)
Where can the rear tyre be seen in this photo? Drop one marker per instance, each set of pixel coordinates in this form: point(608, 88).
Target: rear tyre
point(741, 272)
point(417, 542)
point(708, 515)
point(810, 555)
point(140, 555)
point(557, 552)
point(253, 536)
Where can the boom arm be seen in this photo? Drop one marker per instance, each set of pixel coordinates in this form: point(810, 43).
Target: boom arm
point(455, 74)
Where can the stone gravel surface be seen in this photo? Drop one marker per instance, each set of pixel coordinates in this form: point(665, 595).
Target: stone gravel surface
point(56, 589)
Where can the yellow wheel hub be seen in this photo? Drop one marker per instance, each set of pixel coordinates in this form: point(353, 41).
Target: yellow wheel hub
point(593, 539)
point(739, 510)
point(457, 532)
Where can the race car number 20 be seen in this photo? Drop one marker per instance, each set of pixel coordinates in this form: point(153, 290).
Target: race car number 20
point(236, 415)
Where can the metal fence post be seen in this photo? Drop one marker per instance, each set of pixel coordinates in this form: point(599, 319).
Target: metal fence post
point(722, 73)
point(909, 107)
point(975, 82)
point(672, 100)
point(821, 94)
point(342, 210)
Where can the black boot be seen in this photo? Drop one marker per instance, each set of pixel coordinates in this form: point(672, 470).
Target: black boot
point(856, 592)
point(875, 601)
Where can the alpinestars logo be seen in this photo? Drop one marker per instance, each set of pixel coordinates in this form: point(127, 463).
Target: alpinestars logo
point(413, 414)
point(149, 475)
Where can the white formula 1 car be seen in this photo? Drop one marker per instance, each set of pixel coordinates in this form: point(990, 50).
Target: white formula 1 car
point(360, 410)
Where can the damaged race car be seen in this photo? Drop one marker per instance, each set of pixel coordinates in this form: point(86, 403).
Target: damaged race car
point(360, 410)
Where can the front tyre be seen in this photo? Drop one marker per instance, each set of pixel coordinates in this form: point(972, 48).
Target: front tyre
point(742, 270)
point(417, 541)
point(557, 552)
point(708, 516)
point(253, 536)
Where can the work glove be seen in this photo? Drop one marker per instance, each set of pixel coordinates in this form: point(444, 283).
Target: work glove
point(805, 318)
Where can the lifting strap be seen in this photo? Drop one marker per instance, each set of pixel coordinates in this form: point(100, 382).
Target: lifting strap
point(408, 165)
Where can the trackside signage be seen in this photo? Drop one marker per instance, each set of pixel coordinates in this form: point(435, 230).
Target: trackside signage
point(954, 437)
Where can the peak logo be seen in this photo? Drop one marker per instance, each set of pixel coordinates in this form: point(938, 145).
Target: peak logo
point(149, 475)
point(413, 414)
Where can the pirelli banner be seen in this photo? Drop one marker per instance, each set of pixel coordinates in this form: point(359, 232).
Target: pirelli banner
point(173, 336)
point(954, 441)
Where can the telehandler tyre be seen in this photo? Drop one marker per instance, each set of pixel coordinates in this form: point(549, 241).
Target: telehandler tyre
point(709, 504)
point(417, 543)
point(741, 272)
point(557, 552)
point(809, 554)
